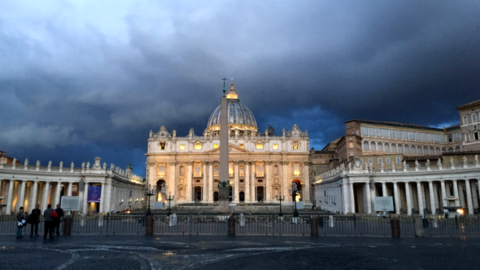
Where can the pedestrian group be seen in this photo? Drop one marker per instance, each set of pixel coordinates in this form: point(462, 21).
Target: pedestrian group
point(53, 218)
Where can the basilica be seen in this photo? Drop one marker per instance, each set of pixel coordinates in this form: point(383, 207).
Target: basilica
point(262, 165)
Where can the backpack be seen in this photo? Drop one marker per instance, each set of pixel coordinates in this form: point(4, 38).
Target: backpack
point(53, 214)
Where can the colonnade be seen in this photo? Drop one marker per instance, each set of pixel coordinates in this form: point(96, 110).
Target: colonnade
point(276, 177)
point(413, 197)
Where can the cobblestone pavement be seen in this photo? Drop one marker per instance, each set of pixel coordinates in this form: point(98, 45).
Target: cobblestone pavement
point(219, 252)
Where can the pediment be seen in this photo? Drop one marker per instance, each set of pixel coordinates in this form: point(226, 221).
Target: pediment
point(234, 149)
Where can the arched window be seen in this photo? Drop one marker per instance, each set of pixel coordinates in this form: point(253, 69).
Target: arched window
point(413, 149)
point(432, 151)
point(407, 149)
point(450, 149)
point(419, 150)
point(400, 148)
point(366, 146)
point(387, 147)
point(457, 149)
point(443, 150)
point(394, 147)
point(373, 146)
point(437, 151)
point(380, 147)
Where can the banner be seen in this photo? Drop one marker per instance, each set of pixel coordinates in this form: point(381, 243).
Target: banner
point(70, 203)
point(94, 193)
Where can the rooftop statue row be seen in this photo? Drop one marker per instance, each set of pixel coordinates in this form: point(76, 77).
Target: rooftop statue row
point(356, 168)
point(95, 168)
point(293, 132)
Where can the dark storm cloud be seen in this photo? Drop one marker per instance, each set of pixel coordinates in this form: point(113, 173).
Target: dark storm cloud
point(80, 80)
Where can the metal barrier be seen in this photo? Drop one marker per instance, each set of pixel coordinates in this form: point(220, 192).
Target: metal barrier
point(257, 224)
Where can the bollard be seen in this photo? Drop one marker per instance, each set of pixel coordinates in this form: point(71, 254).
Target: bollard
point(67, 225)
point(419, 228)
point(314, 226)
point(149, 225)
point(395, 227)
point(231, 225)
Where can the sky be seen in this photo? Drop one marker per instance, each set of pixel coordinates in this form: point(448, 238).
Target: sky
point(80, 79)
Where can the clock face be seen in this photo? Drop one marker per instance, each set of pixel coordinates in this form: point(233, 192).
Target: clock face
point(295, 133)
point(162, 134)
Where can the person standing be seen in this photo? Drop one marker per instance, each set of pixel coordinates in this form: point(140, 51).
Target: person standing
point(34, 219)
point(59, 219)
point(21, 222)
point(49, 225)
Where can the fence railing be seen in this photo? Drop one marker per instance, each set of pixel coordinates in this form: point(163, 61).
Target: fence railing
point(258, 224)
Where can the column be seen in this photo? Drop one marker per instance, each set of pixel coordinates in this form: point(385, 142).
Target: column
point(151, 174)
point(285, 184)
point(204, 188)
point(171, 185)
point(188, 188)
point(432, 197)
point(444, 194)
point(384, 189)
point(210, 182)
point(45, 195)
point(57, 194)
point(33, 196)
point(420, 198)
point(367, 197)
point(397, 198)
point(102, 198)
point(306, 179)
point(409, 198)
point(455, 193)
point(253, 182)
point(21, 199)
point(247, 181)
point(268, 182)
point(70, 186)
point(85, 199)
point(236, 189)
point(352, 199)
point(469, 197)
point(9, 198)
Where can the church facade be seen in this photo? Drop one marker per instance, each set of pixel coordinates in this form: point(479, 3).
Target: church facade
point(261, 165)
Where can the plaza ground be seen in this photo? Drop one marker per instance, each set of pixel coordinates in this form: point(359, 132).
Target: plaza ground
point(222, 252)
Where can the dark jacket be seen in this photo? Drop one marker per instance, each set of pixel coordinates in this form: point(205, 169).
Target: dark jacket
point(35, 216)
point(47, 215)
point(60, 213)
point(20, 215)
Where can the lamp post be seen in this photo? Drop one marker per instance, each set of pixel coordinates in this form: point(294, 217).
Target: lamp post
point(294, 192)
point(169, 198)
point(149, 193)
point(280, 198)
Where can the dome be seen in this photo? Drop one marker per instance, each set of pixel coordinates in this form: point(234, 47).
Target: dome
point(240, 117)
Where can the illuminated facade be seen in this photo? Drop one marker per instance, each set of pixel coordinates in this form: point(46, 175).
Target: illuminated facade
point(261, 164)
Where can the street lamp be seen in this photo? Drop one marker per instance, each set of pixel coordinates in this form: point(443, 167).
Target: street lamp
point(294, 192)
point(169, 198)
point(280, 198)
point(149, 193)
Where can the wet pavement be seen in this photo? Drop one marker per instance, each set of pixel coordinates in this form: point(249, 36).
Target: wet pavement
point(222, 252)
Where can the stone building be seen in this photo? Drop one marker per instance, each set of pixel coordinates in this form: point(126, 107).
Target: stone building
point(262, 164)
point(425, 169)
point(25, 185)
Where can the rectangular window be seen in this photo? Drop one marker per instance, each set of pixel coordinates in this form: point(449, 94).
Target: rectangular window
point(474, 118)
point(379, 132)
point(405, 135)
point(385, 133)
point(198, 147)
point(364, 131)
point(182, 146)
point(295, 145)
point(387, 160)
point(424, 137)
point(162, 146)
point(370, 161)
point(379, 161)
point(259, 146)
point(398, 160)
point(275, 146)
point(467, 137)
point(476, 135)
point(350, 144)
point(215, 145)
point(361, 161)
